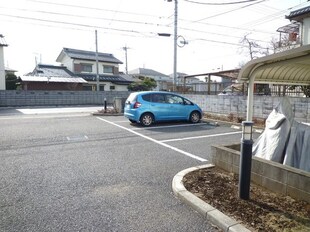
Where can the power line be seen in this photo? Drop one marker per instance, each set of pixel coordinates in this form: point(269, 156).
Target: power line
point(115, 29)
point(91, 8)
point(220, 3)
point(128, 21)
point(118, 30)
point(72, 24)
point(83, 16)
point(226, 12)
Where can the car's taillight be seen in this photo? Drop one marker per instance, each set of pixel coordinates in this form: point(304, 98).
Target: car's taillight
point(136, 105)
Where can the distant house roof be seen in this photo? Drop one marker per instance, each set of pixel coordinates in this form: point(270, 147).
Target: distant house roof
point(87, 55)
point(150, 73)
point(51, 71)
point(10, 70)
point(290, 28)
point(231, 74)
point(299, 14)
point(127, 77)
point(147, 72)
point(52, 79)
point(115, 79)
point(179, 75)
point(48, 71)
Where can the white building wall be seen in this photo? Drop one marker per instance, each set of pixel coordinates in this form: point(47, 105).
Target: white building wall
point(67, 62)
point(70, 65)
point(2, 70)
point(306, 31)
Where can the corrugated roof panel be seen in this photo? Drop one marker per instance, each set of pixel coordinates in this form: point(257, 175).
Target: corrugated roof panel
point(288, 67)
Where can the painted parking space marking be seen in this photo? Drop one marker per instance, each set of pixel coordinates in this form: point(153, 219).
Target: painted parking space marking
point(171, 126)
point(155, 141)
point(76, 138)
point(200, 137)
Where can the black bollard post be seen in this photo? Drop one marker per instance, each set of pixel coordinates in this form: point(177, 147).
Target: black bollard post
point(105, 104)
point(245, 160)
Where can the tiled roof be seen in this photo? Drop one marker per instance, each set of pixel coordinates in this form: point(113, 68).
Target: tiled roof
point(146, 72)
point(112, 78)
point(299, 12)
point(48, 71)
point(157, 76)
point(51, 71)
point(90, 55)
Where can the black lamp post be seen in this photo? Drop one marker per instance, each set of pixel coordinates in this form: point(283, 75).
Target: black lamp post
point(245, 160)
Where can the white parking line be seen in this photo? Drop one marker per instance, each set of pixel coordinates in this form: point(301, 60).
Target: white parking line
point(156, 141)
point(199, 137)
point(21, 117)
point(160, 127)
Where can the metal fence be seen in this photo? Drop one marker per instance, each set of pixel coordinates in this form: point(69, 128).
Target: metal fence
point(232, 88)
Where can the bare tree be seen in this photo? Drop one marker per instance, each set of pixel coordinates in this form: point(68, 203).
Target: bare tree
point(254, 49)
point(282, 44)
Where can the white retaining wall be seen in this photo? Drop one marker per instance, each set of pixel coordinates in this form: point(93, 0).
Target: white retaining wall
point(236, 105)
point(263, 105)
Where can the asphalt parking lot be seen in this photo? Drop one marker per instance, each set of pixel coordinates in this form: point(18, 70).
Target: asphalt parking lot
point(72, 171)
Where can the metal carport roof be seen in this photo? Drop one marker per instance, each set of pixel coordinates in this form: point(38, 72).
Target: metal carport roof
point(290, 67)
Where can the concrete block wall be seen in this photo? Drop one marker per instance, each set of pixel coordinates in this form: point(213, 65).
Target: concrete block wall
point(237, 105)
point(276, 177)
point(45, 98)
point(263, 105)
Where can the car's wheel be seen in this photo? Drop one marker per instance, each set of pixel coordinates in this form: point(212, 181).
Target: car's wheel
point(195, 117)
point(132, 121)
point(146, 119)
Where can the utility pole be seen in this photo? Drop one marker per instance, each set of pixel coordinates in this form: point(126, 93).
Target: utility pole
point(125, 49)
point(2, 68)
point(175, 44)
point(97, 66)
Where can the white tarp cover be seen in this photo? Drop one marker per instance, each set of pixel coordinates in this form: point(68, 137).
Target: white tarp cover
point(298, 149)
point(284, 140)
point(272, 142)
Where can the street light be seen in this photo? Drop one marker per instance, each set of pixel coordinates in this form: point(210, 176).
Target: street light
point(245, 160)
point(175, 43)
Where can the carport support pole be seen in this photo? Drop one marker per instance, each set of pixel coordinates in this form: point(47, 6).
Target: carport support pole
point(249, 115)
point(245, 160)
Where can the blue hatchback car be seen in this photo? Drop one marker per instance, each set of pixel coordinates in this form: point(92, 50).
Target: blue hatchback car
point(154, 106)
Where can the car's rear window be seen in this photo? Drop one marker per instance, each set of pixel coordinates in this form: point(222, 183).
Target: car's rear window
point(132, 97)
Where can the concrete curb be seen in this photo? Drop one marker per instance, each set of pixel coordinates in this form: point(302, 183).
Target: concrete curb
point(210, 213)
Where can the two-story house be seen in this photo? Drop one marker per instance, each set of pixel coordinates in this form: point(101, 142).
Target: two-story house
point(78, 71)
point(84, 64)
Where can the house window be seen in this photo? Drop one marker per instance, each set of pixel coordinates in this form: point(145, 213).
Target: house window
point(78, 68)
point(107, 69)
point(112, 87)
point(87, 67)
